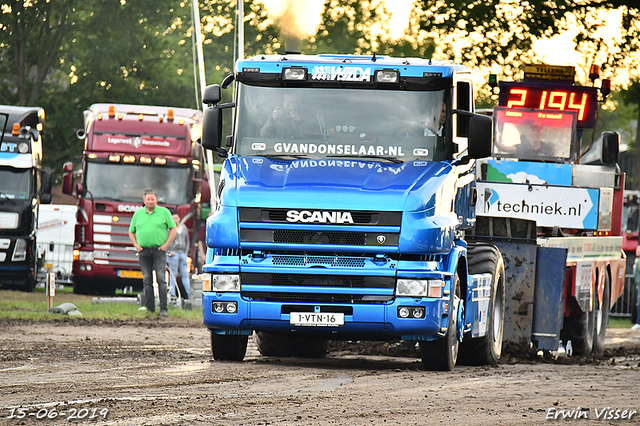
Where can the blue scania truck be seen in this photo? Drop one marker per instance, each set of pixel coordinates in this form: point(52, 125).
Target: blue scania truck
point(347, 190)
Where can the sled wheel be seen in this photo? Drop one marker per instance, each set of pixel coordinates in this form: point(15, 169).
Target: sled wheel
point(601, 319)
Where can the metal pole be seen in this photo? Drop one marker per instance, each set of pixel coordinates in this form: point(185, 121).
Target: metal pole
point(198, 38)
point(213, 194)
point(240, 29)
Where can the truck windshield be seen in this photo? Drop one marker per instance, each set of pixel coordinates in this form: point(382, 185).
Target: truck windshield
point(534, 135)
point(127, 182)
point(318, 123)
point(15, 184)
point(3, 123)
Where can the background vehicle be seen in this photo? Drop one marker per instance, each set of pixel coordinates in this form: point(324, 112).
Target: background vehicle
point(23, 186)
point(352, 225)
point(529, 200)
point(129, 148)
point(56, 225)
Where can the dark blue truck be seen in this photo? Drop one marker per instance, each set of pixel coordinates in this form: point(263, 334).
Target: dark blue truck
point(23, 186)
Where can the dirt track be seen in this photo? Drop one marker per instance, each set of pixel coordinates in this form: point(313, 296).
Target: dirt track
point(160, 372)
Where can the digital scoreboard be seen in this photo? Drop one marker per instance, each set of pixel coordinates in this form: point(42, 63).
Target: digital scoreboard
point(552, 96)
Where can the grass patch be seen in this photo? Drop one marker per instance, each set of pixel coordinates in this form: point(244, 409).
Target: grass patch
point(616, 322)
point(33, 306)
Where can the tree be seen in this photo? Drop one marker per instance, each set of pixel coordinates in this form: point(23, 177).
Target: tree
point(504, 30)
point(361, 27)
point(31, 34)
point(631, 99)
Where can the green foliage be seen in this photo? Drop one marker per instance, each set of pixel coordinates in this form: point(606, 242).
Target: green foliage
point(506, 31)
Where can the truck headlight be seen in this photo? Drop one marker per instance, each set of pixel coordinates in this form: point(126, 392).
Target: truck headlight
point(414, 288)
point(19, 251)
point(23, 147)
point(419, 288)
point(224, 283)
point(386, 76)
point(85, 256)
point(296, 73)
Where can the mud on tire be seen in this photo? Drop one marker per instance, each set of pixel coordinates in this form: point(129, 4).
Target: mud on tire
point(228, 347)
point(442, 354)
point(601, 316)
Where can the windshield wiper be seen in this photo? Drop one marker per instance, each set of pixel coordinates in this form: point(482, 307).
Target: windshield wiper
point(285, 157)
point(376, 157)
point(6, 197)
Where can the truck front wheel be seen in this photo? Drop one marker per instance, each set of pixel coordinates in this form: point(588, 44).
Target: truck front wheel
point(29, 284)
point(487, 259)
point(442, 354)
point(228, 347)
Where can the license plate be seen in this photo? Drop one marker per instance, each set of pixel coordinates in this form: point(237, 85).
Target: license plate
point(316, 319)
point(130, 274)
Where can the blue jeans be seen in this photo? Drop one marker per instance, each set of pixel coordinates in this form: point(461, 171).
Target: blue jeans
point(153, 259)
point(178, 262)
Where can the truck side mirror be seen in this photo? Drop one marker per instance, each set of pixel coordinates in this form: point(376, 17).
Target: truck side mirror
point(205, 190)
point(67, 178)
point(212, 128)
point(610, 147)
point(212, 94)
point(45, 190)
point(79, 189)
point(480, 136)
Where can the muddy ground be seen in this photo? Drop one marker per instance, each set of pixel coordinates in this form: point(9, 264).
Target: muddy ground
point(160, 372)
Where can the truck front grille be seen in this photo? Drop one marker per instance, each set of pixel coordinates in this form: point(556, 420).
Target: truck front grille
point(317, 297)
point(318, 280)
point(335, 261)
point(311, 237)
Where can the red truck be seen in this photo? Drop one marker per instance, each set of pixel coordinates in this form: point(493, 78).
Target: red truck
point(128, 148)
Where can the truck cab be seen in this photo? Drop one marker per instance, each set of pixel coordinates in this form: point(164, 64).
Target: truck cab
point(347, 188)
point(128, 148)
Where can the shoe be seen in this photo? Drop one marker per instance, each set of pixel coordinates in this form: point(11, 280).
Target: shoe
point(164, 313)
point(636, 327)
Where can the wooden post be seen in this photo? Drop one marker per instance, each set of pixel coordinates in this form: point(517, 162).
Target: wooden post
point(51, 288)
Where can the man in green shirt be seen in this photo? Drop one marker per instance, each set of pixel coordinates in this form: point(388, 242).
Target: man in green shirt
point(148, 233)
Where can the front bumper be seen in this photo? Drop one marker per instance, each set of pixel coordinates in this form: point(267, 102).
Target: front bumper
point(361, 321)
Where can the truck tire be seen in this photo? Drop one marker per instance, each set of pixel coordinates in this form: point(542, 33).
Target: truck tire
point(487, 259)
point(228, 347)
point(29, 284)
point(579, 329)
point(289, 345)
point(442, 354)
point(80, 286)
point(602, 317)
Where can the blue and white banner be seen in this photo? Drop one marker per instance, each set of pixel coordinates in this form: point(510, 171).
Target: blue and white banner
point(566, 207)
point(529, 172)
